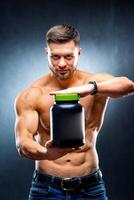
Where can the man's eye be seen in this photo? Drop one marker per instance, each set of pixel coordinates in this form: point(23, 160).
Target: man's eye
point(55, 57)
point(68, 57)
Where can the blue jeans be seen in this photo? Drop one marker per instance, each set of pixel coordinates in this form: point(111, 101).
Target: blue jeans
point(44, 191)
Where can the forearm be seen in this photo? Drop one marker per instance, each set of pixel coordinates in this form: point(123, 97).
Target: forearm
point(31, 149)
point(116, 87)
point(109, 86)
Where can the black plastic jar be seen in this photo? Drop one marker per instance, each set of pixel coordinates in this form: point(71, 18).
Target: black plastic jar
point(67, 121)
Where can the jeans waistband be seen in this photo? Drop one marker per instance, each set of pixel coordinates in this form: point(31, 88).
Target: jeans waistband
point(68, 183)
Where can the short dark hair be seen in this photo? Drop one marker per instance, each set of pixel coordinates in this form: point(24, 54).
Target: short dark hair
point(63, 33)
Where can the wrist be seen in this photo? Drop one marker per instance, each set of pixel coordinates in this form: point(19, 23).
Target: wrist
point(95, 87)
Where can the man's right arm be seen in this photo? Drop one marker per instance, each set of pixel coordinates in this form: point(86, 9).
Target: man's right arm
point(26, 128)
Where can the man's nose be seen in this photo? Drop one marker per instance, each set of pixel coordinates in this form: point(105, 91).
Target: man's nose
point(62, 63)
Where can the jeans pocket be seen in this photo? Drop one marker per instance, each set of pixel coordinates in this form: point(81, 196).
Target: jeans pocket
point(96, 191)
point(39, 190)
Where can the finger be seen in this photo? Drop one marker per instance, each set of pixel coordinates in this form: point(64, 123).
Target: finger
point(68, 150)
point(56, 92)
point(48, 144)
point(64, 150)
point(78, 149)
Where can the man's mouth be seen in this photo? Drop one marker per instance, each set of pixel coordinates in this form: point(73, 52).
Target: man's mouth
point(62, 71)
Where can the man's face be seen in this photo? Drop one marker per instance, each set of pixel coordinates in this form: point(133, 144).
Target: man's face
point(62, 59)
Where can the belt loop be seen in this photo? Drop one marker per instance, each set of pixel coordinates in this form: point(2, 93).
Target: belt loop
point(52, 179)
point(100, 173)
point(79, 179)
point(35, 175)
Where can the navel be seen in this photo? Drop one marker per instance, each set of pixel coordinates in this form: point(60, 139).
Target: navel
point(68, 160)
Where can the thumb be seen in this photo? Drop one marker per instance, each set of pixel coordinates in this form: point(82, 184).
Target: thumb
point(48, 144)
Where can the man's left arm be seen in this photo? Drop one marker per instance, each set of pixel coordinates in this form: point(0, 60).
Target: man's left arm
point(107, 85)
point(115, 87)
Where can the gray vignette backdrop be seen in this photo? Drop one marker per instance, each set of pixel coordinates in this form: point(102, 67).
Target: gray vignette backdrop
point(107, 41)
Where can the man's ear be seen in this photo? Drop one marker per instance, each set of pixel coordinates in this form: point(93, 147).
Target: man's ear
point(46, 50)
point(79, 52)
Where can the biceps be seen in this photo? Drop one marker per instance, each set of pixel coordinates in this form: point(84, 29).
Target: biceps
point(27, 124)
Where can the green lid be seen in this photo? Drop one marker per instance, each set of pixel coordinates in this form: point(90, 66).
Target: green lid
point(67, 97)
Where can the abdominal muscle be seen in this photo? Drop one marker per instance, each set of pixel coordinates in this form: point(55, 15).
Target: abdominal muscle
point(79, 163)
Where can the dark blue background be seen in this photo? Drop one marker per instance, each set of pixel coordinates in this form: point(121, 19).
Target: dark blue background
point(107, 41)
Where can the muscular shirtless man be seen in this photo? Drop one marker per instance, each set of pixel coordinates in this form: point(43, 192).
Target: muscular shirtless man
point(65, 173)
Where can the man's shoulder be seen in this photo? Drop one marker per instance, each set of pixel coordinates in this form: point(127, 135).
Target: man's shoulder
point(30, 95)
point(35, 88)
point(103, 76)
point(99, 77)
point(40, 82)
point(27, 98)
point(84, 75)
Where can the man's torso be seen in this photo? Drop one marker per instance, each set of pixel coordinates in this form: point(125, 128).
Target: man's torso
point(79, 162)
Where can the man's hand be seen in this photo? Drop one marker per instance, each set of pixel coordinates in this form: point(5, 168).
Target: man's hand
point(81, 90)
point(54, 153)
